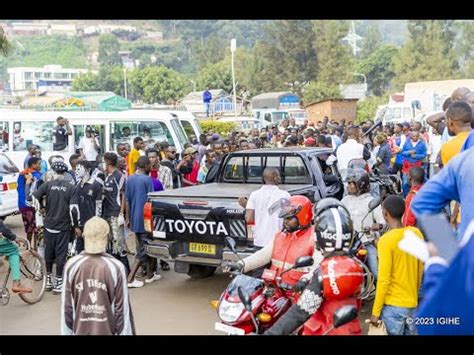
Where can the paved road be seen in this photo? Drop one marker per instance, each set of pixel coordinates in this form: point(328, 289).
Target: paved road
point(174, 305)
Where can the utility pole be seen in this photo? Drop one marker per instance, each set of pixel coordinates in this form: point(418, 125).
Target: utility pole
point(233, 47)
point(125, 82)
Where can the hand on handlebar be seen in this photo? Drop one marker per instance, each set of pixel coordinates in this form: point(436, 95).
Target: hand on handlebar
point(231, 266)
point(300, 285)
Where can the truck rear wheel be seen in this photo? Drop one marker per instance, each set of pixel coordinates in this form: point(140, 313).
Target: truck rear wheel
point(201, 271)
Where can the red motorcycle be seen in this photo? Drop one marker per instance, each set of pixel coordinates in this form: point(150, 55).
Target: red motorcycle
point(268, 300)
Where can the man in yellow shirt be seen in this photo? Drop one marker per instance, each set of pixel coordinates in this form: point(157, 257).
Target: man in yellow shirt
point(459, 125)
point(399, 274)
point(135, 154)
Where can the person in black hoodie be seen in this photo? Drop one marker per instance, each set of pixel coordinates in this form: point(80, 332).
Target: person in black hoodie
point(62, 211)
point(89, 194)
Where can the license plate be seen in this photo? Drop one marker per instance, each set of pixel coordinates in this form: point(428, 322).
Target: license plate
point(202, 248)
point(228, 329)
point(12, 185)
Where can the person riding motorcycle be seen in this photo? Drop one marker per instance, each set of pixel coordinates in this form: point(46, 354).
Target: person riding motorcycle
point(296, 239)
point(335, 283)
point(357, 202)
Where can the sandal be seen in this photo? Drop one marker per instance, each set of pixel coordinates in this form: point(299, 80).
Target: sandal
point(21, 290)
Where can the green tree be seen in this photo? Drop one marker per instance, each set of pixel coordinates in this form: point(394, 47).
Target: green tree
point(5, 45)
point(378, 68)
point(317, 91)
point(109, 50)
point(335, 61)
point(157, 84)
point(288, 54)
point(215, 76)
point(86, 82)
point(372, 41)
point(465, 48)
point(425, 56)
point(366, 109)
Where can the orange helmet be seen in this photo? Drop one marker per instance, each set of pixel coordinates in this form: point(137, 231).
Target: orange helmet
point(296, 206)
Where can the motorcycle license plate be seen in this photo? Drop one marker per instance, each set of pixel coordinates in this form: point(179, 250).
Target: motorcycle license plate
point(202, 248)
point(228, 329)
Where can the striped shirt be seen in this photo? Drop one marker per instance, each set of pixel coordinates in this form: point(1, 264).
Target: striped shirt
point(95, 297)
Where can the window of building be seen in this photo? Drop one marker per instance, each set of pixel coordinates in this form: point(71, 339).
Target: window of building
point(47, 75)
point(37, 133)
point(28, 75)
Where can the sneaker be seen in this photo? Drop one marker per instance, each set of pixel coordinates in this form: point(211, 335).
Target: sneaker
point(49, 282)
point(136, 284)
point(155, 277)
point(58, 287)
point(164, 265)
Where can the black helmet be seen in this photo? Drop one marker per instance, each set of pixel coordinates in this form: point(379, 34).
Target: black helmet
point(326, 203)
point(361, 180)
point(334, 230)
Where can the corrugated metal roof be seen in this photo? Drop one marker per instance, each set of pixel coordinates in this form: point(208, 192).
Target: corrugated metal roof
point(272, 95)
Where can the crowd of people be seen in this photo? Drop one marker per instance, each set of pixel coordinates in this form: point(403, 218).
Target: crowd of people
point(58, 202)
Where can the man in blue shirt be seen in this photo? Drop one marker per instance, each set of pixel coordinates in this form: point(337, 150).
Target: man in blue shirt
point(469, 143)
point(136, 192)
point(413, 153)
point(207, 99)
point(454, 182)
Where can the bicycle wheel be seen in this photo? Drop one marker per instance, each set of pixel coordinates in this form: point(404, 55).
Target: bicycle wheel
point(33, 270)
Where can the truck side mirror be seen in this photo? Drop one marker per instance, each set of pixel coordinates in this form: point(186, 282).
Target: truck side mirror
point(344, 315)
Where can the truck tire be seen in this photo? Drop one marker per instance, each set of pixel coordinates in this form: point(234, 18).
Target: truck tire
point(200, 271)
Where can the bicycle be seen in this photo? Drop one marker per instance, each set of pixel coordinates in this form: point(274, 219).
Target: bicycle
point(33, 271)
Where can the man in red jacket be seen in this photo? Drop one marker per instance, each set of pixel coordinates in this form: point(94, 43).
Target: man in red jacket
point(416, 178)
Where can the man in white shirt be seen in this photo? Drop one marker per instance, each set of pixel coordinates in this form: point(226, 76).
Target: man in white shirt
point(89, 146)
point(266, 225)
point(349, 150)
point(434, 146)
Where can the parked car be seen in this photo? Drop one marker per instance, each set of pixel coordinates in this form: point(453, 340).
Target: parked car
point(8, 183)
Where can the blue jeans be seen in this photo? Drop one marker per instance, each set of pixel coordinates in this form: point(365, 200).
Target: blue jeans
point(372, 260)
point(405, 185)
point(395, 320)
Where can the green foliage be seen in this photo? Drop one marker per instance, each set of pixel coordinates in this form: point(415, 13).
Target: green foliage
point(289, 55)
point(5, 45)
point(372, 41)
point(223, 128)
point(157, 85)
point(367, 108)
point(378, 69)
point(215, 76)
point(335, 61)
point(86, 82)
point(37, 51)
point(425, 56)
point(109, 47)
point(318, 91)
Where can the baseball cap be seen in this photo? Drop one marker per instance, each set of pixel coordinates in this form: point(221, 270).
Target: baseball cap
point(190, 151)
point(216, 136)
point(59, 166)
point(96, 235)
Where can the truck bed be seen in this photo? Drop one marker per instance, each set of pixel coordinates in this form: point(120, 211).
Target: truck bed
point(218, 190)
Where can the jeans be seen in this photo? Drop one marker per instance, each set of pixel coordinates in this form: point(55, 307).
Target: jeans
point(405, 185)
point(395, 320)
point(372, 260)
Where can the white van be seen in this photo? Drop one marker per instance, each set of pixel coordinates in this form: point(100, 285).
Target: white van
point(270, 116)
point(397, 113)
point(8, 186)
point(21, 128)
point(189, 122)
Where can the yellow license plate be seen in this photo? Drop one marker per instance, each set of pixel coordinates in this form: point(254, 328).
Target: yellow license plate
point(202, 248)
point(12, 185)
